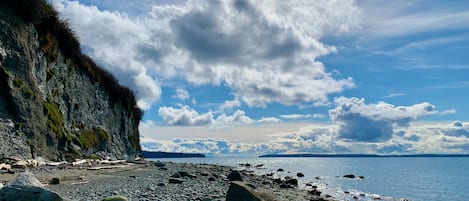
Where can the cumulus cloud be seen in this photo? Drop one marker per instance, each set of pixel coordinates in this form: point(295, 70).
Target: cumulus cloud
point(229, 105)
point(184, 116)
point(181, 94)
point(264, 51)
point(374, 122)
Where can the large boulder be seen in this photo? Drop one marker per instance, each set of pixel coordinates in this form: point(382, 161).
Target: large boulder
point(238, 191)
point(235, 175)
point(27, 187)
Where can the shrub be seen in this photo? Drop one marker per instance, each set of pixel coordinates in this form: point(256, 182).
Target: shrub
point(54, 117)
point(91, 138)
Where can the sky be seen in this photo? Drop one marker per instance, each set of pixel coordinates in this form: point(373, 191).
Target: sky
point(245, 77)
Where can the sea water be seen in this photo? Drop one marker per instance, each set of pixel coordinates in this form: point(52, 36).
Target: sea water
point(415, 178)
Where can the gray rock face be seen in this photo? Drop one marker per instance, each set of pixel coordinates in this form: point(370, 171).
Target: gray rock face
point(55, 104)
point(238, 191)
point(27, 187)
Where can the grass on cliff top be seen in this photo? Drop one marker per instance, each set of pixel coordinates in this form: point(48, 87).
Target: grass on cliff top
point(55, 33)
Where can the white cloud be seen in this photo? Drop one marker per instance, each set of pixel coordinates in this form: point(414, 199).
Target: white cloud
point(302, 116)
point(268, 120)
point(421, 137)
point(374, 122)
point(237, 117)
point(184, 116)
point(392, 95)
point(181, 94)
point(229, 105)
point(264, 51)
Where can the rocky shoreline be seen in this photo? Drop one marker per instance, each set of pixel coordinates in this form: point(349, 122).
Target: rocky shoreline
point(147, 180)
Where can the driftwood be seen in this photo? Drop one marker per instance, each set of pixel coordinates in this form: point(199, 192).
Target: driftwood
point(107, 167)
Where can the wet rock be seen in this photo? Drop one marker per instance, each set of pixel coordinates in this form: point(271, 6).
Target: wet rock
point(299, 174)
point(277, 181)
point(159, 164)
point(176, 175)
point(315, 192)
point(293, 182)
point(280, 170)
point(175, 181)
point(350, 176)
point(186, 174)
point(361, 177)
point(211, 179)
point(235, 176)
point(286, 186)
point(161, 184)
point(54, 181)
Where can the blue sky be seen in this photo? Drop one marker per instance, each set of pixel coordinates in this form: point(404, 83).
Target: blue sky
point(252, 77)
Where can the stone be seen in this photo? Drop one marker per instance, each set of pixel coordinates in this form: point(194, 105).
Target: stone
point(175, 181)
point(235, 176)
point(299, 174)
point(25, 179)
point(115, 198)
point(315, 192)
point(280, 170)
point(286, 186)
point(161, 184)
point(293, 182)
point(361, 177)
point(159, 164)
point(54, 181)
point(278, 180)
point(28, 192)
point(211, 179)
point(176, 175)
point(238, 191)
point(350, 176)
point(186, 174)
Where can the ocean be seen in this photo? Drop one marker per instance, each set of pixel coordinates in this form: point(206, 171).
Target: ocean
point(394, 178)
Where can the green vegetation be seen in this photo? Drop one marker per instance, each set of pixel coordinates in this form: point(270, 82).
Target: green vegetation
point(54, 117)
point(91, 138)
point(55, 34)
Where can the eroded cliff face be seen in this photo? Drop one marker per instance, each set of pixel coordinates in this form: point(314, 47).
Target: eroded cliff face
point(56, 103)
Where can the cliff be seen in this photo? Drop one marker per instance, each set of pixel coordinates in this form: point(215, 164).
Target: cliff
point(55, 102)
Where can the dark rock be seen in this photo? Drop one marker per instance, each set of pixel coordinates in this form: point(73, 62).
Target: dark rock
point(159, 164)
point(317, 178)
point(286, 186)
point(204, 174)
point(280, 170)
point(362, 194)
point(377, 198)
point(54, 181)
point(308, 184)
point(314, 186)
point(299, 174)
point(259, 166)
point(235, 176)
point(292, 182)
point(328, 196)
point(186, 174)
point(161, 184)
point(211, 179)
point(23, 193)
point(278, 180)
point(346, 192)
point(315, 192)
point(355, 197)
point(361, 177)
point(163, 168)
point(350, 176)
point(176, 175)
point(175, 181)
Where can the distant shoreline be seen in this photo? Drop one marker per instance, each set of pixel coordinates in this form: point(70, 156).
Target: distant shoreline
point(360, 155)
point(158, 154)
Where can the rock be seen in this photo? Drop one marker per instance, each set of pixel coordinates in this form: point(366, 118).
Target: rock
point(377, 198)
point(235, 176)
point(161, 184)
point(28, 192)
point(204, 174)
point(238, 191)
point(293, 182)
point(362, 194)
point(346, 192)
point(355, 197)
point(115, 198)
point(350, 176)
point(299, 174)
point(176, 175)
point(25, 179)
point(54, 181)
point(186, 174)
point(315, 192)
point(280, 170)
point(175, 181)
point(278, 180)
point(286, 186)
point(211, 179)
point(259, 166)
point(317, 178)
point(159, 164)
point(361, 177)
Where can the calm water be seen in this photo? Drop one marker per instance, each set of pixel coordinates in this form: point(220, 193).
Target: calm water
point(419, 179)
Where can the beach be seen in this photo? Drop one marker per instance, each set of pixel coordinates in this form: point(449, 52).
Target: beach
point(147, 180)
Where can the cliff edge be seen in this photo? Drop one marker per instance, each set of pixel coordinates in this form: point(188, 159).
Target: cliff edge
point(55, 102)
